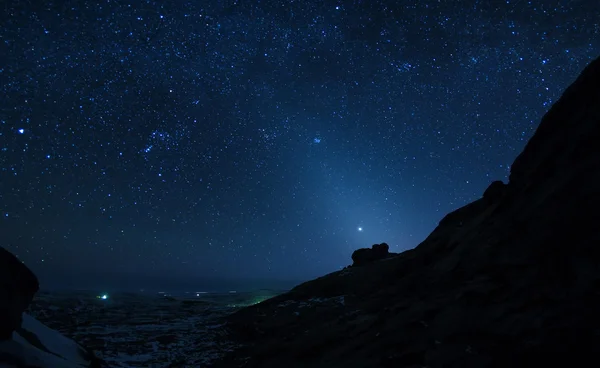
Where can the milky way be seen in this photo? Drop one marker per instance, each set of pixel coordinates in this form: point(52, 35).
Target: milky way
point(264, 139)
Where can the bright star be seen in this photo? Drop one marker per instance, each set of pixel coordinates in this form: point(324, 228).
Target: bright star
point(21, 131)
point(360, 228)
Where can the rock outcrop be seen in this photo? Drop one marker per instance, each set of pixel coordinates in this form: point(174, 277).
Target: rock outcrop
point(363, 256)
point(510, 280)
point(25, 342)
point(18, 285)
point(495, 191)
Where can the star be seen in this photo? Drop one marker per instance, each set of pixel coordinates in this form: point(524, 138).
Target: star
point(209, 144)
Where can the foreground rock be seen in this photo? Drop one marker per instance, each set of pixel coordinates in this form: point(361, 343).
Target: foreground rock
point(24, 341)
point(512, 279)
point(35, 345)
point(18, 286)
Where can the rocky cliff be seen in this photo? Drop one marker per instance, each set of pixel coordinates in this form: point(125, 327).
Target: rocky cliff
point(512, 279)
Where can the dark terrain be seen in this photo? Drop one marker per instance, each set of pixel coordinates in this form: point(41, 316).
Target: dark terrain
point(512, 279)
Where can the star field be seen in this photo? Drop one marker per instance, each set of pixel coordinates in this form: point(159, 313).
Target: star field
point(264, 139)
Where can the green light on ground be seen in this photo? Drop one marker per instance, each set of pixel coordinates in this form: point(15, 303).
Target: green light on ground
point(259, 299)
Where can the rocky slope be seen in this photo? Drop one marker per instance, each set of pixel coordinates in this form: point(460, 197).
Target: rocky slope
point(512, 279)
point(24, 341)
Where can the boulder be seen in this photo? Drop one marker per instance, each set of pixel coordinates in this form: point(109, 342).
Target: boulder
point(380, 250)
point(364, 256)
point(18, 285)
point(24, 341)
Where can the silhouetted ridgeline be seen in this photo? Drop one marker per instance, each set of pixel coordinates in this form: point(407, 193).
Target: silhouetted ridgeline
point(512, 279)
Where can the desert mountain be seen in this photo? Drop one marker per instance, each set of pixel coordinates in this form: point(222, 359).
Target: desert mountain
point(511, 279)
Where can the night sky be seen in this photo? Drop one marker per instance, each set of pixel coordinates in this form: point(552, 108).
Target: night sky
point(263, 139)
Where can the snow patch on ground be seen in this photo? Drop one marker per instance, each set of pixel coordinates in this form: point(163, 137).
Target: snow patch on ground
point(37, 345)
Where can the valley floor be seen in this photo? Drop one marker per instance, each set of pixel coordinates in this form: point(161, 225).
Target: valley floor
point(133, 330)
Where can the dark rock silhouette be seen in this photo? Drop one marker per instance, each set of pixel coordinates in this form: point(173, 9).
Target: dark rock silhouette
point(363, 256)
point(24, 341)
point(510, 280)
point(18, 285)
point(495, 191)
point(380, 250)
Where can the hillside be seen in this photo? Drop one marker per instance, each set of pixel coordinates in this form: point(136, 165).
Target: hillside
point(511, 279)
